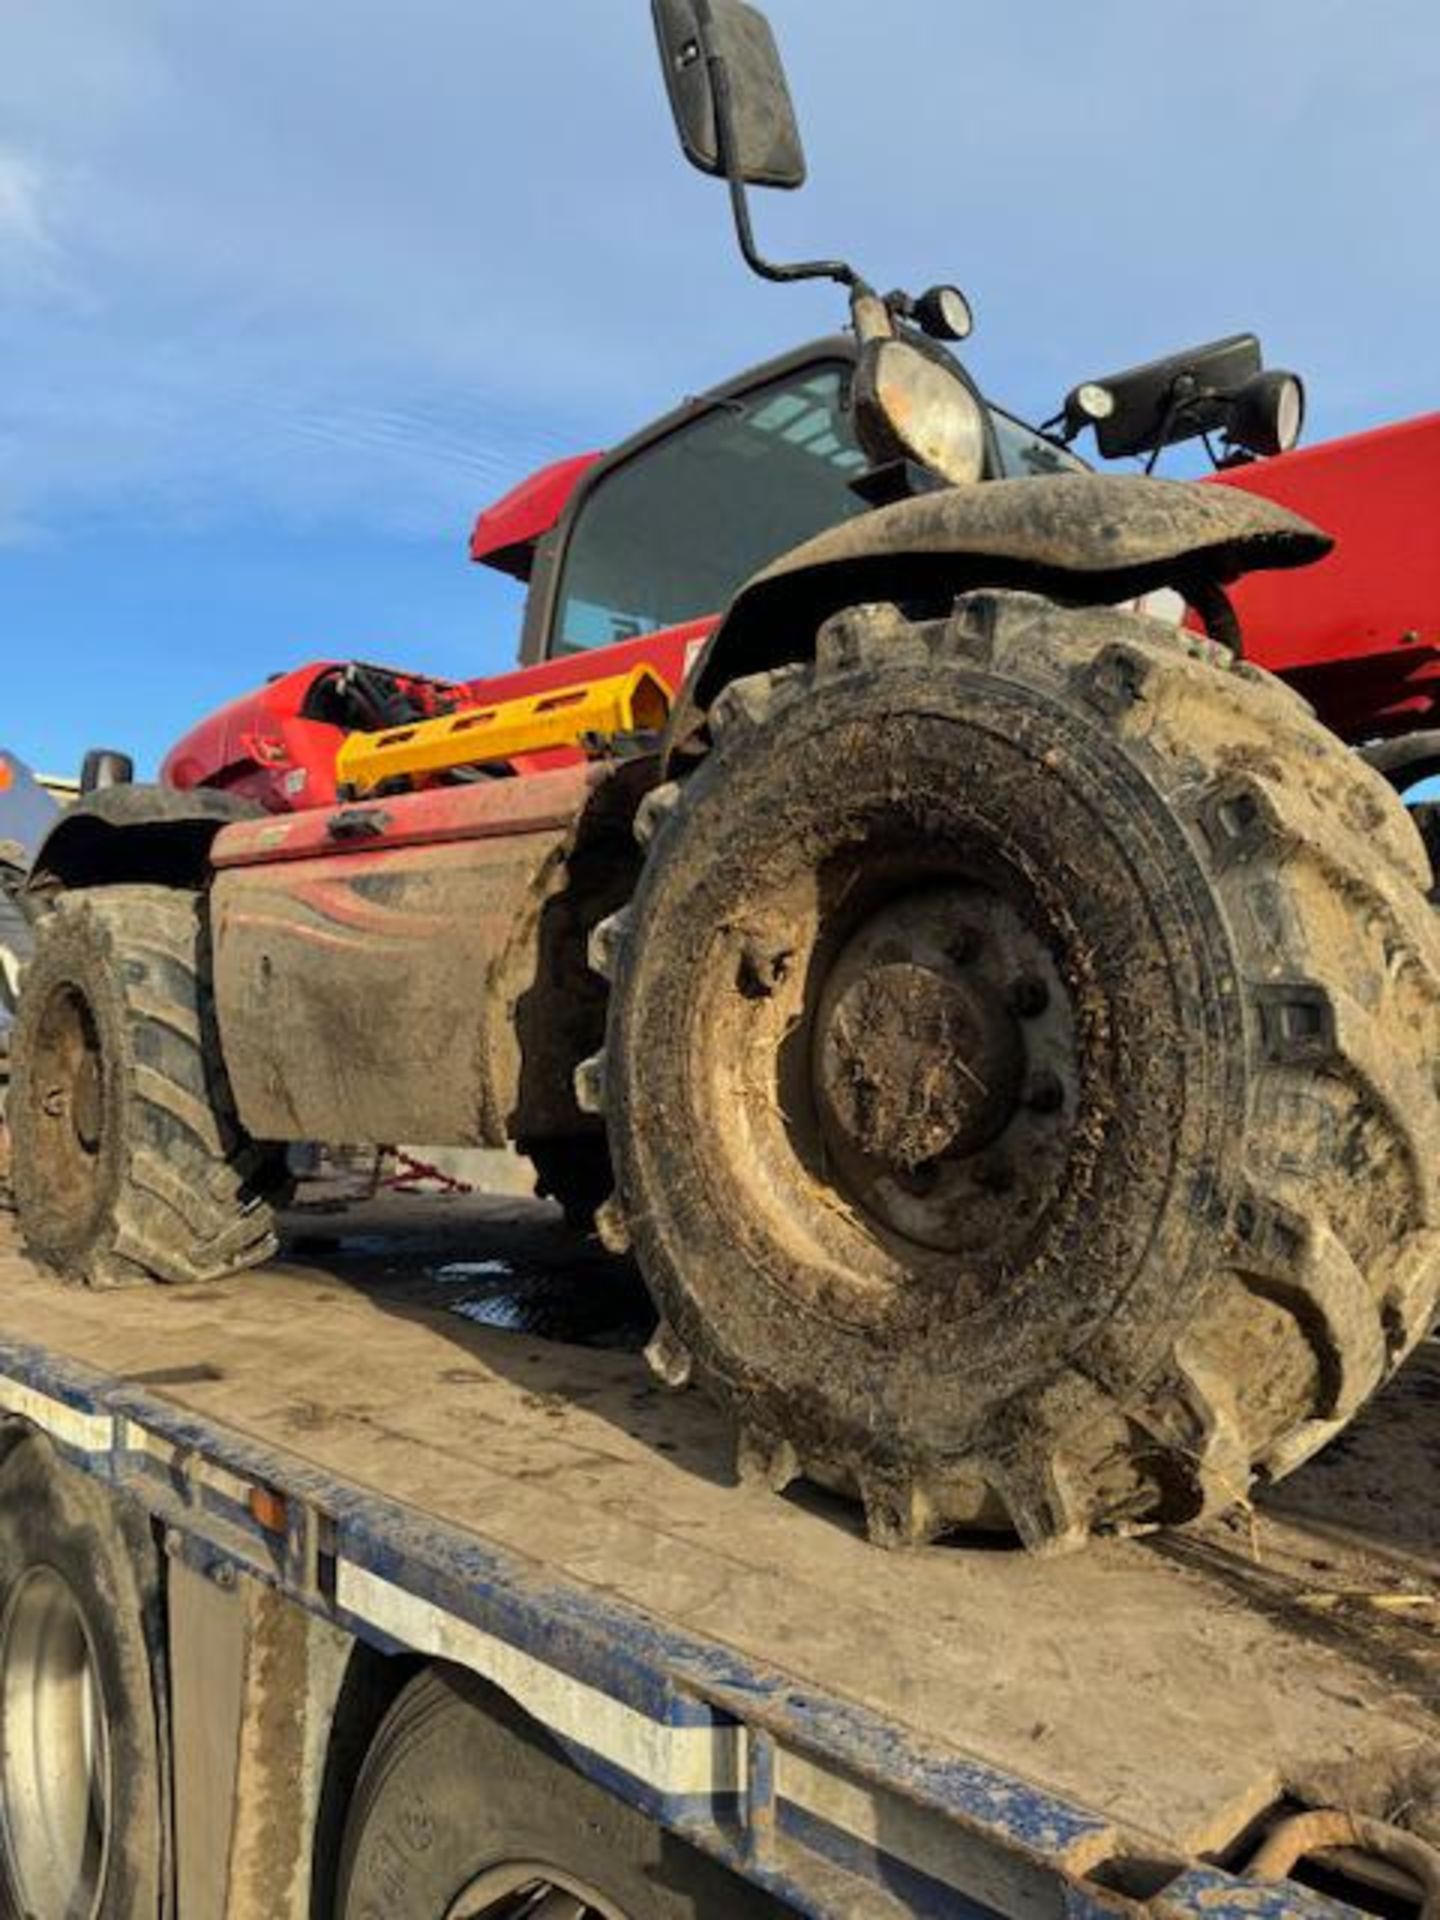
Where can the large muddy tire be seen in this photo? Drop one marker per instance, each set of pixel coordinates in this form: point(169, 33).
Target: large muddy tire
point(128, 1157)
point(1021, 1072)
point(464, 1808)
point(14, 951)
point(82, 1761)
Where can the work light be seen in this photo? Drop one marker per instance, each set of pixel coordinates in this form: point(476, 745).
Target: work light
point(914, 405)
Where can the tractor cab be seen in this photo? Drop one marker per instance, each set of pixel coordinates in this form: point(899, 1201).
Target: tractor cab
point(664, 530)
point(630, 554)
point(640, 548)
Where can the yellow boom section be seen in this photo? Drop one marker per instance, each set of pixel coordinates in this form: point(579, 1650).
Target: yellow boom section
point(588, 715)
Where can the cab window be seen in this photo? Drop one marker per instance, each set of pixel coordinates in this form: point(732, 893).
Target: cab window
point(670, 535)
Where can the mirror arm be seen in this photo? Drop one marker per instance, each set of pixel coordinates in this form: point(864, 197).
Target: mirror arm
point(739, 198)
point(770, 269)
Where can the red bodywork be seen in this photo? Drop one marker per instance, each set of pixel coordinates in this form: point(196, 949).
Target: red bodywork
point(1358, 634)
point(268, 746)
point(263, 747)
point(506, 534)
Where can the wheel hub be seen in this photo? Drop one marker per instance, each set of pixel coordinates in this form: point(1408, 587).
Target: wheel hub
point(69, 1094)
point(85, 1107)
point(915, 1060)
point(55, 1769)
point(940, 1056)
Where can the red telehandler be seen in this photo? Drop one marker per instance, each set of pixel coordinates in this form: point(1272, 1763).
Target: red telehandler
point(953, 908)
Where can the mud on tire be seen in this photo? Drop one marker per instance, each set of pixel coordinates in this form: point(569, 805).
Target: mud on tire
point(129, 1160)
point(1021, 1072)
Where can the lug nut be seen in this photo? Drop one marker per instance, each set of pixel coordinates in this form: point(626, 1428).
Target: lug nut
point(923, 1179)
point(762, 969)
point(964, 946)
point(1029, 997)
point(1045, 1094)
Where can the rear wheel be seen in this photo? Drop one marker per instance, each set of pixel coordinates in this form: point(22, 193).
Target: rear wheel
point(1021, 1073)
point(464, 1811)
point(128, 1157)
point(80, 1816)
point(14, 950)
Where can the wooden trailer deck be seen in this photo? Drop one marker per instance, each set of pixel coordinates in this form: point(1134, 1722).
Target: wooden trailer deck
point(1178, 1686)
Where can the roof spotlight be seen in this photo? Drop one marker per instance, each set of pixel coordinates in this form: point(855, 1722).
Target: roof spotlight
point(945, 314)
point(1266, 415)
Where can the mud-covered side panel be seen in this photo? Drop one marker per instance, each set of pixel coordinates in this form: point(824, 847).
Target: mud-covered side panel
point(432, 991)
point(362, 998)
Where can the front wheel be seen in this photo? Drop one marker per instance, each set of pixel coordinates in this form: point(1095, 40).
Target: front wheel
point(1021, 1073)
point(129, 1160)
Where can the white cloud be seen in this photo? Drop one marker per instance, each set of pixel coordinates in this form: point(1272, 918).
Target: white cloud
point(362, 265)
point(26, 242)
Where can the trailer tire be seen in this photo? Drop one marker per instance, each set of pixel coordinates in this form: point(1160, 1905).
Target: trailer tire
point(1021, 1072)
point(461, 1793)
point(128, 1158)
point(79, 1590)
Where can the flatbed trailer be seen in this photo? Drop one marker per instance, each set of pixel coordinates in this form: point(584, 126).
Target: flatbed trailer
point(376, 1454)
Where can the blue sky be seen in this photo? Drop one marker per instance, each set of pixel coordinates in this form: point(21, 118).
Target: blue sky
point(287, 293)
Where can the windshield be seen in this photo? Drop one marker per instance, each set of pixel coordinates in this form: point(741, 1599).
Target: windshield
point(1025, 453)
point(670, 535)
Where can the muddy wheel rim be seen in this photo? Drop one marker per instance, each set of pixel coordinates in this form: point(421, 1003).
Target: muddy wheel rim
point(70, 1097)
point(525, 1890)
point(55, 1787)
point(942, 1049)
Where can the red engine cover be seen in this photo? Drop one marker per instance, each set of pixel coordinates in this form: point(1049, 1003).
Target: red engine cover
point(262, 747)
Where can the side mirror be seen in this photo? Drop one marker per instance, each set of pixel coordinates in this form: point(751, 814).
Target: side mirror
point(102, 767)
point(723, 69)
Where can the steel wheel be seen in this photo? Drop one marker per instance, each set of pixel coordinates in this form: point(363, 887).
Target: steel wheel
point(55, 1779)
point(528, 1891)
point(70, 1107)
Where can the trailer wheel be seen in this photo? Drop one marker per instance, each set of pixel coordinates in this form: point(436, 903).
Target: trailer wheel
point(80, 1757)
point(1021, 1072)
point(464, 1810)
point(128, 1158)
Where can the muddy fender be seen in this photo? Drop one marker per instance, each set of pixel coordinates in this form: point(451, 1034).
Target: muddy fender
point(1082, 539)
